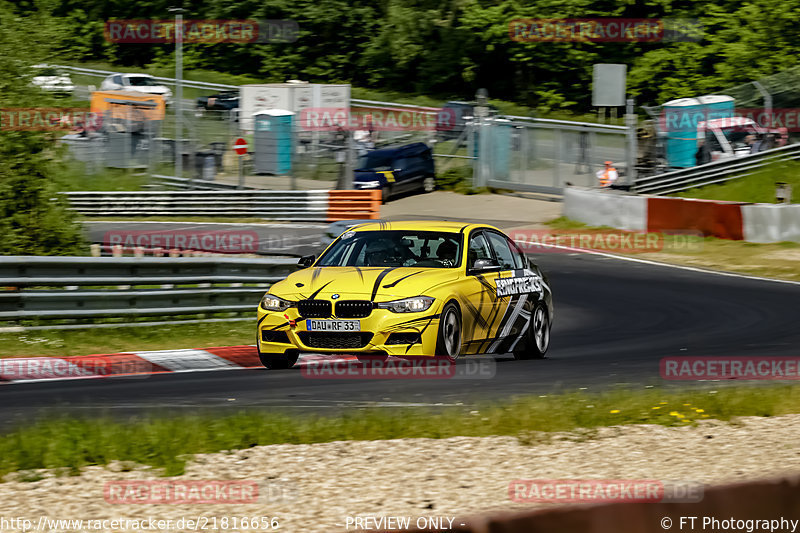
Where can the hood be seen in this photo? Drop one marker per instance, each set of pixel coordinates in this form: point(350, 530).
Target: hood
point(362, 283)
point(367, 175)
point(149, 89)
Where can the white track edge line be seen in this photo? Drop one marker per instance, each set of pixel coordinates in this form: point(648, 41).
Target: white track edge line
point(658, 263)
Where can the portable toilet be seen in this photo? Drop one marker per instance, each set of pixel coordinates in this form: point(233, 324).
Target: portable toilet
point(679, 122)
point(501, 151)
point(273, 141)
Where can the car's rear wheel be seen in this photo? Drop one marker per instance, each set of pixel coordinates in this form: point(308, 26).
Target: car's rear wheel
point(537, 337)
point(448, 342)
point(429, 184)
point(278, 361)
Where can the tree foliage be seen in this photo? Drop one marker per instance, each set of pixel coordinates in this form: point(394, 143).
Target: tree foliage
point(452, 47)
point(33, 219)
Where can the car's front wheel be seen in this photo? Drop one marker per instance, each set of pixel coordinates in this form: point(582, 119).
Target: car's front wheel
point(278, 361)
point(537, 337)
point(386, 192)
point(448, 342)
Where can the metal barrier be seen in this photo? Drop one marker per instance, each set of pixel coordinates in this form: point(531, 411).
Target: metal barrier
point(717, 172)
point(213, 86)
point(82, 288)
point(202, 185)
point(276, 205)
point(313, 205)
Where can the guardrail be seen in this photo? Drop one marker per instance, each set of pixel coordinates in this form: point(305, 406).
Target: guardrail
point(218, 86)
point(717, 172)
point(196, 184)
point(314, 205)
point(377, 104)
point(81, 289)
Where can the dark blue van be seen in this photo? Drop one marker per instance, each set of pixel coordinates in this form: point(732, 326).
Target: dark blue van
point(396, 170)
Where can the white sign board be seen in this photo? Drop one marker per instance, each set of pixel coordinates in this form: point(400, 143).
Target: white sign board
point(290, 97)
point(327, 95)
point(608, 85)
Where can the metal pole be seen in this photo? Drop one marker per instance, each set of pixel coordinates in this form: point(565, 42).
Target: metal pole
point(631, 149)
point(767, 101)
point(349, 161)
point(179, 93)
point(241, 172)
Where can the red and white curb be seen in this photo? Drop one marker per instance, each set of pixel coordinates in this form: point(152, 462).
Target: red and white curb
point(131, 364)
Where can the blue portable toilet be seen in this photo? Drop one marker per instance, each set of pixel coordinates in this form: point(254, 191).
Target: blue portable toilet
point(273, 141)
point(679, 122)
point(501, 149)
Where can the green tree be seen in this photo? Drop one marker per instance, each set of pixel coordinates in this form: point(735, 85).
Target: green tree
point(33, 219)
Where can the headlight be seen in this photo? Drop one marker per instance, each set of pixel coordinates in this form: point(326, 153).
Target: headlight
point(408, 305)
point(368, 184)
point(271, 302)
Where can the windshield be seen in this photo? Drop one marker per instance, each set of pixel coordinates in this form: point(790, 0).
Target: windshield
point(394, 249)
point(374, 161)
point(737, 134)
point(142, 81)
point(49, 71)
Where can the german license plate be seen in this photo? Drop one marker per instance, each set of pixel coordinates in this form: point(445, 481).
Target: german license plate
point(333, 325)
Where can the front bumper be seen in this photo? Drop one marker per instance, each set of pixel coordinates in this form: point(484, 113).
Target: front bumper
point(383, 332)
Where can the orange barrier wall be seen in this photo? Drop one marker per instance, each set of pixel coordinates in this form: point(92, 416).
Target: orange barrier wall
point(353, 205)
point(718, 219)
point(758, 500)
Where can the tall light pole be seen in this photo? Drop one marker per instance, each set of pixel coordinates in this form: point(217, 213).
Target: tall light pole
point(178, 89)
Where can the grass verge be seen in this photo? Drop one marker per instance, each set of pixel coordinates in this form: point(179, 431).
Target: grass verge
point(757, 188)
point(167, 442)
point(64, 343)
point(774, 260)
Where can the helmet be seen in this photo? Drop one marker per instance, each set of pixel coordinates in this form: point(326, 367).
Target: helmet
point(447, 250)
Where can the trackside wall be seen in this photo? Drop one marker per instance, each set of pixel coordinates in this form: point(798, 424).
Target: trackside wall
point(762, 223)
point(757, 500)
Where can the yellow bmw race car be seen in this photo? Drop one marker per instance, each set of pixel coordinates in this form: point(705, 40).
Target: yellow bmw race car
point(409, 289)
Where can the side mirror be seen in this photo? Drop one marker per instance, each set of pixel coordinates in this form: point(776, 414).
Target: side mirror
point(485, 265)
point(306, 261)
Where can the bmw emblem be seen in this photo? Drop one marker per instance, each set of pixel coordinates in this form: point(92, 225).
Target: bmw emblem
point(334, 297)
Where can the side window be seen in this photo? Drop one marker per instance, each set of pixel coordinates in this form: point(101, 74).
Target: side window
point(519, 258)
point(478, 249)
point(117, 79)
point(502, 251)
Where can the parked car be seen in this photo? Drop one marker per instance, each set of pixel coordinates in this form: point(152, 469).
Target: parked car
point(143, 83)
point(53, 80)
point(396, 170)
point(222, 101)
point(453, 117)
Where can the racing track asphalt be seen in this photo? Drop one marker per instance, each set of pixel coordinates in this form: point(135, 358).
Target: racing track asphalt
point(614, 321)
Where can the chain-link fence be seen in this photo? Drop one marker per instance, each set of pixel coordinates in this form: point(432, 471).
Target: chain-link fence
point(526, 155)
